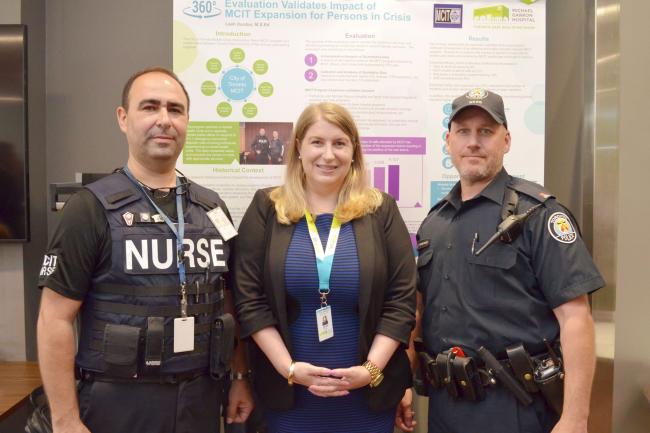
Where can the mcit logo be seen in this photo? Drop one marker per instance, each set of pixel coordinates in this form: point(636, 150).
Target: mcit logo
point(448, 16)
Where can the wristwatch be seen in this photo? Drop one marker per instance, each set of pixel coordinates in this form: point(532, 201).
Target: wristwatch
point(239, 375)
point(376, 375)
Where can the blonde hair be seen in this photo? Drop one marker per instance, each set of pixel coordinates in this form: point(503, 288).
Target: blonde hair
point(356, 197)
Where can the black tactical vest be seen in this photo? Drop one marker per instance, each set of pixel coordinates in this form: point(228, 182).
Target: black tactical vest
point(127, 316)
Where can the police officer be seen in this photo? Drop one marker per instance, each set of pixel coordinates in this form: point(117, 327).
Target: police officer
point(139, 255)
point(518, 291)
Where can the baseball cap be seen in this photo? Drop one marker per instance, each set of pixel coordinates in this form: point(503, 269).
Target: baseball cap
point(489, 101)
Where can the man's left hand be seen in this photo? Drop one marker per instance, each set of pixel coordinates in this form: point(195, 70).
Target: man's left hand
point(240, 402)
point(404, 416)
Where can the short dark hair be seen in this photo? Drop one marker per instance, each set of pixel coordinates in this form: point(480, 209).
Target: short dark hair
point(127, 86)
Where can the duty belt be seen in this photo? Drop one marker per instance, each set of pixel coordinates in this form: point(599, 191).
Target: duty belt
point(468, 377)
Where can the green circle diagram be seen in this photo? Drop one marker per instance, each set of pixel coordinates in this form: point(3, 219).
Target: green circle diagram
point(208, 88)
point(265, 89)
point(213, 65)
point(260, 67)
point(249, 110)
point(224, 109)
point(185, 50)
point(237, 55)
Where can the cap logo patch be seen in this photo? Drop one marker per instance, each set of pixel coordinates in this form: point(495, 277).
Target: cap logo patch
point(128, 218)
point(477, 93)
point(561, 228)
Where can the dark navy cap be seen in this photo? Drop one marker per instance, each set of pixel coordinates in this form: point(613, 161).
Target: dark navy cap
point(489, 101)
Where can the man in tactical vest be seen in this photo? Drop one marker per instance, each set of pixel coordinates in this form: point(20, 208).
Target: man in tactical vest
point(140, 256)
point(508, 338)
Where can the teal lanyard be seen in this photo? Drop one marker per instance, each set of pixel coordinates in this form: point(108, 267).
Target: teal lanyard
point(324, 259)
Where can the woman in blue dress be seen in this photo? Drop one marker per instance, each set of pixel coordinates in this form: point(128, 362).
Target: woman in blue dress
point(325, 287)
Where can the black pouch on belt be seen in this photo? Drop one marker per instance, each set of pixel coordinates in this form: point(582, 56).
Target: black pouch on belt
point(121, 344)
point(522, 366)
point(428, 368)
point(549, 377)
point(446, 373)
point(467, 378)
point(222, 343)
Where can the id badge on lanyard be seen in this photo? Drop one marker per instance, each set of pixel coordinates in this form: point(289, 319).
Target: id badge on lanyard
point(324, 261)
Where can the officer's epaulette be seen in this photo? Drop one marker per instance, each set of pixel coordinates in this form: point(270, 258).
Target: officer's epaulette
point(531, 189)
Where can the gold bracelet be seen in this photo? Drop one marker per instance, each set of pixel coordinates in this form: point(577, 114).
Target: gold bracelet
point(376, 375)
point(292, 368)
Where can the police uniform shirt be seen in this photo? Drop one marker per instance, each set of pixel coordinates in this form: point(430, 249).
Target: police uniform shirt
point(508, 293)
point(80, 246)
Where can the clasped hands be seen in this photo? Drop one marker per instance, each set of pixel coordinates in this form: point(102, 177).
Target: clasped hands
point(325, 382)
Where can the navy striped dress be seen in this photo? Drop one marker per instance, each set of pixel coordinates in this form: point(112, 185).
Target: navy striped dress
point(312, 414)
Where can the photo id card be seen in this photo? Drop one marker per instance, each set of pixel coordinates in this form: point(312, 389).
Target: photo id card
point(324, 322)
point(222, 223)
point(184, 334)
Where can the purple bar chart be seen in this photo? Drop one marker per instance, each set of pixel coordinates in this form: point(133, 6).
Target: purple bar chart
point(379, 180)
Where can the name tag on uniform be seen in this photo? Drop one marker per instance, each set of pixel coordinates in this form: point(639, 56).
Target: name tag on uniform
point(324, 322)
point(222, 223)
point(184, 334)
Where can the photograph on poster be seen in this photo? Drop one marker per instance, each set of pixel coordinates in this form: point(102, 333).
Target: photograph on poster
point(264, 143)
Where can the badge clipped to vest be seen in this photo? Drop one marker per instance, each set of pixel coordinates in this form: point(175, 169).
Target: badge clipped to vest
point(222, 223)
point(183, 334)
point(183, 327)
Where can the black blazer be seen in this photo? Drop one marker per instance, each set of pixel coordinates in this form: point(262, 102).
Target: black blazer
point(386, 293)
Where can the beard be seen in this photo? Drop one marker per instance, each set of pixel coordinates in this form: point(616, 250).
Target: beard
point(474, 173)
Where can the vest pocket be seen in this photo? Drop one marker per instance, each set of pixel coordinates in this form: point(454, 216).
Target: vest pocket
point(121, 344)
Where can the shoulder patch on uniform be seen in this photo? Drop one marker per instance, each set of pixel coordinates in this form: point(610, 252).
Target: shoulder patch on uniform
point(48, 266)
point(561, 228)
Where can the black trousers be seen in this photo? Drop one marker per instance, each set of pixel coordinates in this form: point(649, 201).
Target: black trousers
point(498, 413)
point(188, 407)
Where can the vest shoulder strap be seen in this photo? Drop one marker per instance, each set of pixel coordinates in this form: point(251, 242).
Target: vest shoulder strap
point(206, 198)
point(114, 191)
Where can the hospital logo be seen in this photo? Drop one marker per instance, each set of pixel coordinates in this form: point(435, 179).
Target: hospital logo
point(447, 16)
point(498, 13)
point(561, 228)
